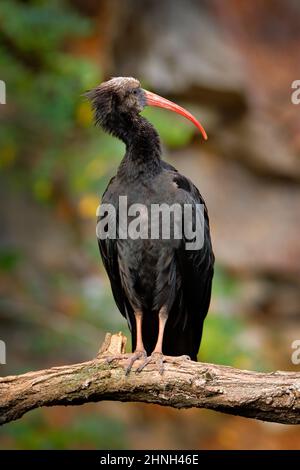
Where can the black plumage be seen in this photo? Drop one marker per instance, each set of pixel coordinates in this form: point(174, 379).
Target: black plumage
point(157, 284)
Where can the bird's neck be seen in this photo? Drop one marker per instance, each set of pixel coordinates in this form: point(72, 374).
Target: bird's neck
point(143, 149)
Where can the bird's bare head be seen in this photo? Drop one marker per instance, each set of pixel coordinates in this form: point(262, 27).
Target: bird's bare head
point(119, 95)
point(124, 96)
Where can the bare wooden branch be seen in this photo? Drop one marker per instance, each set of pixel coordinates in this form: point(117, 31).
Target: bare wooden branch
point(265, 396)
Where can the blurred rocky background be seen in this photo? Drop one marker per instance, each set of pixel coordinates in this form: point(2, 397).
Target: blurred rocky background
point(231, 63)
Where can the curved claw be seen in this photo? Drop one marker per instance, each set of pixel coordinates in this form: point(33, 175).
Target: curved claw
point(157, 358)
point(135, 357)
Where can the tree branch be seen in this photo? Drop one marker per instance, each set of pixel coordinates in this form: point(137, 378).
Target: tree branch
point(270, 397)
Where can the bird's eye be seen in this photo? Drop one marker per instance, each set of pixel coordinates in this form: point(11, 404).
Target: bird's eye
point(135, 91)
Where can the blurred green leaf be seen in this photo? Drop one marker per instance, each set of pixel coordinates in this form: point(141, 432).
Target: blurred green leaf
point(85, 430)
point(174, 130)
point(9, 258)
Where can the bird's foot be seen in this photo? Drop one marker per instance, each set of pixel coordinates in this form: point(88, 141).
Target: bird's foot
point(156, 358)
point(159, 359)
point(131, 358)
point(135, 356)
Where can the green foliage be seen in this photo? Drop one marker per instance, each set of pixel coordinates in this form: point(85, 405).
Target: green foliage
point(86, 430)
point(9, 258)
point(92, 172)
point(174, 130)
point(44, 86)
point(220, 342)
point(46, 24)
point(224, 285)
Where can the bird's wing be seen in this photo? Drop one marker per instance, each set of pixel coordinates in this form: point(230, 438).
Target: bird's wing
point(109, 253)
point(196, 270)
point(168, 167)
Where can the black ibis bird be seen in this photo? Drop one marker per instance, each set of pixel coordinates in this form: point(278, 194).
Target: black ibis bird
point(162, 288)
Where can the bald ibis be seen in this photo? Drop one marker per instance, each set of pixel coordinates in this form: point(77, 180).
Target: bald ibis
point(160, 287)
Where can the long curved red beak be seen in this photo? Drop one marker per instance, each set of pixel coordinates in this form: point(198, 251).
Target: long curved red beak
point(156, 100)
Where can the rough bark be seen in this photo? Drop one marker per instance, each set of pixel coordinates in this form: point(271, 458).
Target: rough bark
point(266, 396)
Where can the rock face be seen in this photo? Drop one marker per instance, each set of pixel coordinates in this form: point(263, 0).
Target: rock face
point(174, 46)
point(230, 61)
point(255, 226)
